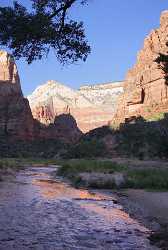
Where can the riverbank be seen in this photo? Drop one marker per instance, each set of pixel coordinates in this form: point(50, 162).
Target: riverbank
point(118, 175)
point(9, 166)
point(150, 209)
point(63, 217)
point(140, 186)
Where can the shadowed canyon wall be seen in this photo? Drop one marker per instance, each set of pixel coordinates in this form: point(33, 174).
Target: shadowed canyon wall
point(15, 115)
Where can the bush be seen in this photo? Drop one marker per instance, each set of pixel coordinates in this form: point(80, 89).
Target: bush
point(143, 140)
point(37, 148)
point(9, 163)
point(72, 167)
point(144, 178)
point(148, 178)
point(86, 149)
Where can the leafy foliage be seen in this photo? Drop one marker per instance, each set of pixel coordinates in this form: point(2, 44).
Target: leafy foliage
point(86, 149)
point(33, 34)
point(144, 139)
point(162, 61)
point(149, 178)
point(37, 148)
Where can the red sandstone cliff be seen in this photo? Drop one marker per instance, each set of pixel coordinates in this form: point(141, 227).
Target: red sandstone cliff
point(146, 86)
point(91, 106)
point(16, 120)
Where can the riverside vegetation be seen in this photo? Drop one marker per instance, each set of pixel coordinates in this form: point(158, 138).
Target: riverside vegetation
point(135, 174)
point(132, 177)
point(9, 166)
point(152, 176)
point(139, 138)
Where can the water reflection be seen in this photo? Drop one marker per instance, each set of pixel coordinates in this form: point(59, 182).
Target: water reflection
point(49, 214)
point(102, 205)
point(115, 216)
point(51, 189)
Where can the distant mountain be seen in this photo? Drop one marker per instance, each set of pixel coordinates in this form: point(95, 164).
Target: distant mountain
point(92, 105)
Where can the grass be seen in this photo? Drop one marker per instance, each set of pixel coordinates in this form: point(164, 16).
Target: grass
point(9, 163)
point(16, 162)
point(73, 167)
point(154, 179)
point(8, 166)
point(36, 161)
point(13, 164)
point(150, 178)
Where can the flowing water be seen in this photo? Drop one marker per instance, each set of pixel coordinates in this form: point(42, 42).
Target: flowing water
point(44, 213)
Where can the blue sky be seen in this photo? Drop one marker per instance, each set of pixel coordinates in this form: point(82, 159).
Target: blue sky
point(115, 30)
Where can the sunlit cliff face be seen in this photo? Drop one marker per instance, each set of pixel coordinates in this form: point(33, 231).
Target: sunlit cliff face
point(9, 77)
point(92, 106)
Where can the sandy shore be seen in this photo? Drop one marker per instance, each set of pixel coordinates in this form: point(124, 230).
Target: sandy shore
point(151, 209)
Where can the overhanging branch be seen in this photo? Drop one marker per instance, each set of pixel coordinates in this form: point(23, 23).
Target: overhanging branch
point(63, 9)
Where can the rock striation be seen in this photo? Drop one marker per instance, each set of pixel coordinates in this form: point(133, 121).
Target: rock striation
point(16, 120)
point(91, 106)
point(146, 86)
point(52, 99)
point(102, 94)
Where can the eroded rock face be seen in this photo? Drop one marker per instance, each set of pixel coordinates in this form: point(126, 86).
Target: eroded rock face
point(91, 106)
point(146, 85)
point(16, 120)
point(9, 77)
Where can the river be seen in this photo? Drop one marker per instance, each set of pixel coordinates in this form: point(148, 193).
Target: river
point(40, 212)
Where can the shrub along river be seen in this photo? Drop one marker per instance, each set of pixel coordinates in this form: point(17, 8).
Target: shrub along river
point(41, 211)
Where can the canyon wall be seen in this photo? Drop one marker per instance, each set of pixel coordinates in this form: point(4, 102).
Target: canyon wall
point(146, 86)
point(92, 105)
point(16, 120)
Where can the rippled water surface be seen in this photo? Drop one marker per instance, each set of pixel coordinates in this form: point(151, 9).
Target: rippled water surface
point(39, 212)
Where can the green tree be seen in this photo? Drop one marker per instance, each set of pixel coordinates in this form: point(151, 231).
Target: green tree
point(31, 34)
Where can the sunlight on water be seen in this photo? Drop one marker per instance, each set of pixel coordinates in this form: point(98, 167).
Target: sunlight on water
point(41, 212)
point(52, 189)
